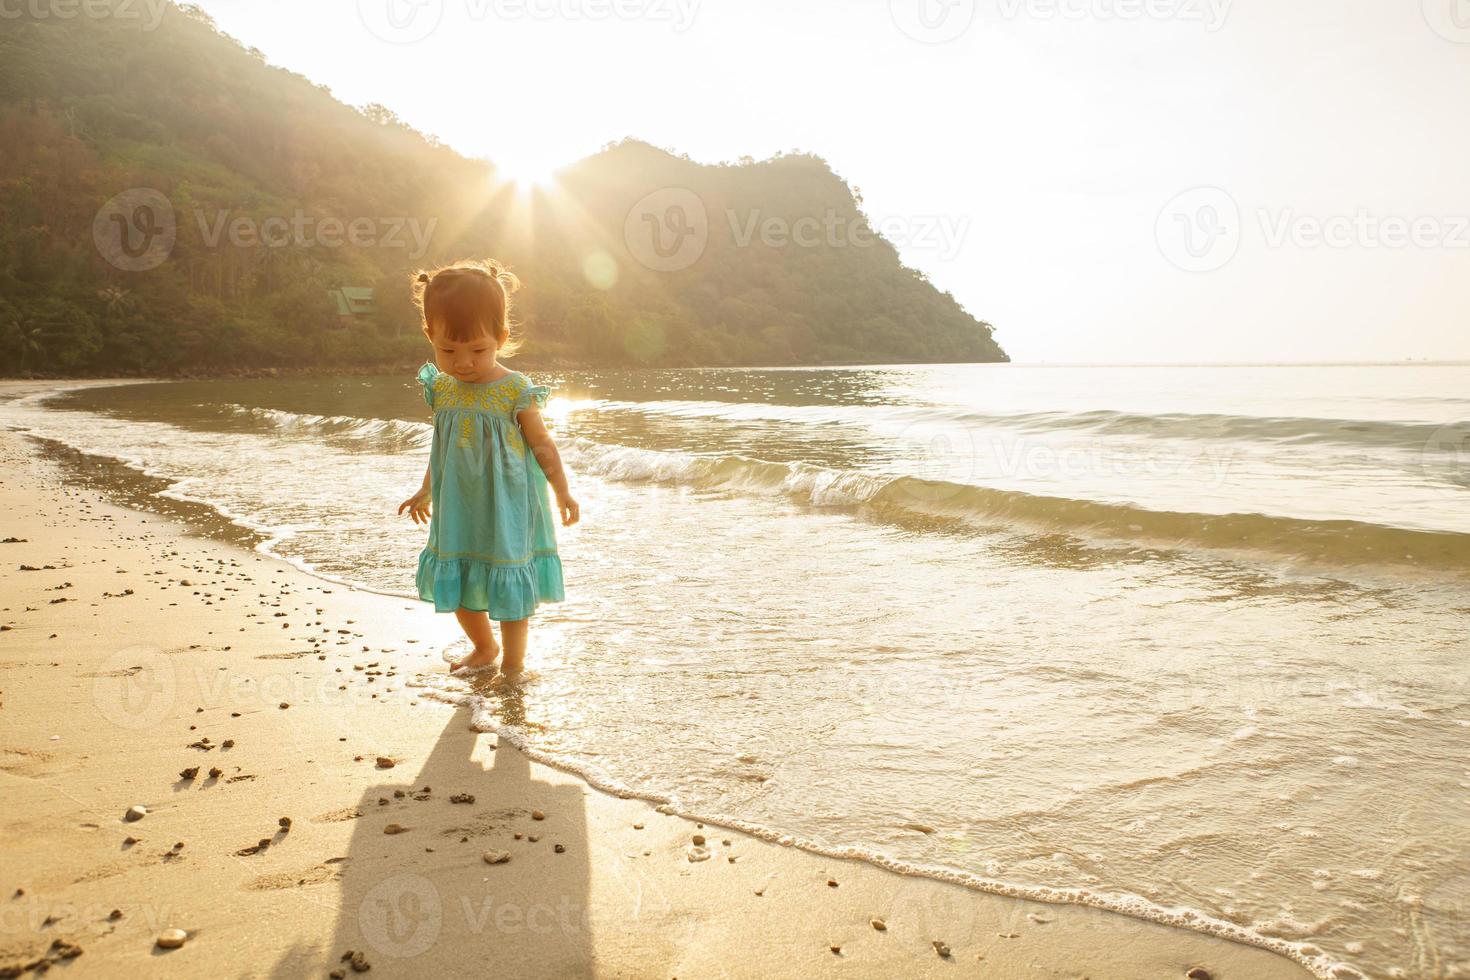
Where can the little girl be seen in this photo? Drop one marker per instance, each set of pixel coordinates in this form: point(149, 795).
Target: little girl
point(492, 544)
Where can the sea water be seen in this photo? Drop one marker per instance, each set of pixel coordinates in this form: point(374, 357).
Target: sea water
point(1186, 642)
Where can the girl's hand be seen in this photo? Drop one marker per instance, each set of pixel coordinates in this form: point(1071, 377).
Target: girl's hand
point(570, 512)
point(417, 507)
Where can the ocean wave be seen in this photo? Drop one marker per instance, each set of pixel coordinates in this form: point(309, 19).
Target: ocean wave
point(1413, 436)
point(899, 496)
point(1318, 540)
point(389, 435)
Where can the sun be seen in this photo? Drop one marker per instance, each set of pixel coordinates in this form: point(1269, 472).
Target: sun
point(524, 170)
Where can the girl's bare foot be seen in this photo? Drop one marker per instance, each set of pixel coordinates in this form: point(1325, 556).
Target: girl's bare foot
point(479, 659)
point(505, 680)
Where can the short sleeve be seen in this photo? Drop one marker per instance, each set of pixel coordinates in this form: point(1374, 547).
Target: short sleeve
point(427, 374)
point(531, 396)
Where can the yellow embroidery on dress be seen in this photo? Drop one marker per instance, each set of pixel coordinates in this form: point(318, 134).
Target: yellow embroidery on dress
point(466, 432)
point(494, 397)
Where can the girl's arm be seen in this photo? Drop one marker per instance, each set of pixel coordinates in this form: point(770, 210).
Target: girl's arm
point(533, 427)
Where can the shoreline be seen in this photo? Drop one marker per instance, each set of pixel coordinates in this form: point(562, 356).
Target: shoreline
point(518, 362)
point(638, 904)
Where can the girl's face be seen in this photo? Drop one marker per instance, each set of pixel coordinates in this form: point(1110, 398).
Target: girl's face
point(471, 361)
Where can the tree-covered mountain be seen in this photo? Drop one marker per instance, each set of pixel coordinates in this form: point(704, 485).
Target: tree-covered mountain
point(171, 203)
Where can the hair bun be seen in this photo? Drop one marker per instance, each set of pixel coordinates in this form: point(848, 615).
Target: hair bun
point(423, 277)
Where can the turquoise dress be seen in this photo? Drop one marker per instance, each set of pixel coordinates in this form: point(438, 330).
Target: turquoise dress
point(492, 540)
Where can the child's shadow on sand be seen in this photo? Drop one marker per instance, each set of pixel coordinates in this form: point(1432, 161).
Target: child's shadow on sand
point(419, 912)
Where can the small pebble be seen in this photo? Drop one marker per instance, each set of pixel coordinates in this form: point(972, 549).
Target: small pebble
point(189, 773)
point(385, 763)
point(1198, 973)
point(136, 813)
point(394, 828)
point(559, 848)
point(496, 857)
point(880, 925)
point(285, 823)
point(172, 938)
point(941, 949)
point(537, 815)
point(699, 840)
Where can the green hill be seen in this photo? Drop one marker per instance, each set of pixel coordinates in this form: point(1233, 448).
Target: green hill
point(261, 224)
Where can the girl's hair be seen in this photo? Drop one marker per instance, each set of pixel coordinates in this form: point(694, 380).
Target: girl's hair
point(468, 300)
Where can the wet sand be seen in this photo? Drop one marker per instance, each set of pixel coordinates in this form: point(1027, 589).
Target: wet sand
point(135, 653)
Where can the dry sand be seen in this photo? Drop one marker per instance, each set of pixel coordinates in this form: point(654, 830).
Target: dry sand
point(136, 651)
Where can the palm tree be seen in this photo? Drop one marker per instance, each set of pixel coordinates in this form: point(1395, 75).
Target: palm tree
point(117, 301)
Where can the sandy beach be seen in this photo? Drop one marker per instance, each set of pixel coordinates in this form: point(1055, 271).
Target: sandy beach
point(305, 804)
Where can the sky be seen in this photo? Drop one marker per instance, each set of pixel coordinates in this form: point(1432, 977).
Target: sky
point(1134, 181)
